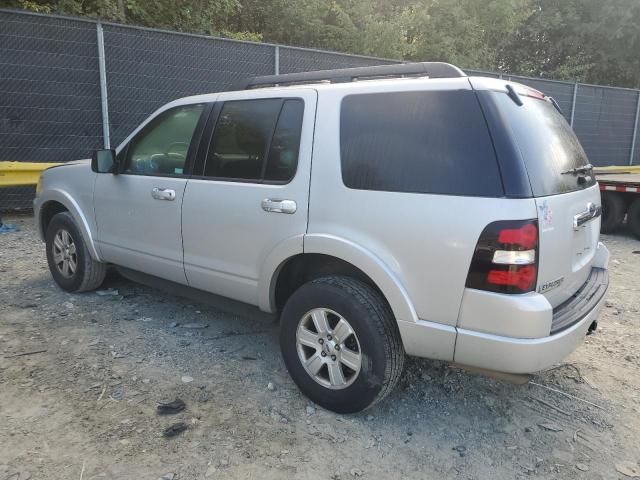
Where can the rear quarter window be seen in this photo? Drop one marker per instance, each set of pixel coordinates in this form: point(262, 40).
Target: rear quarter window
point(418, 142)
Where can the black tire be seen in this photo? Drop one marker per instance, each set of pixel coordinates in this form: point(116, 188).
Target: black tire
point(634, 217)
point(377, 333)
point(613, 209)
point(88, 274)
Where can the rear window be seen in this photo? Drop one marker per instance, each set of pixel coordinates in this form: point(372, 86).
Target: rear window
point(418, 142)
point(548, 145)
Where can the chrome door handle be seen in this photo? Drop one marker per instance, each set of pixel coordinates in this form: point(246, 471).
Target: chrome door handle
point(592, 211)
point(163, 194)
point(279, 206)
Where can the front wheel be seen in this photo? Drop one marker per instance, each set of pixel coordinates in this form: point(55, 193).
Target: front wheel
point(341, 344)
point(69, 261)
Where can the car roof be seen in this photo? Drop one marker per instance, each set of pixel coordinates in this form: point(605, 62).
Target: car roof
point(373, 85)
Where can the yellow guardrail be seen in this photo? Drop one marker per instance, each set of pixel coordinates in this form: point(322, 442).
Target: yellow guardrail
point(18, 174)
point(616, 169)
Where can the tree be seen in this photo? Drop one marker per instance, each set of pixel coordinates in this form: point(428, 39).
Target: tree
point(588, 40)
point(469, 33)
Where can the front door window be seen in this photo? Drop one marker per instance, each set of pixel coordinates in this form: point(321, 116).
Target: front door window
point(161, 147)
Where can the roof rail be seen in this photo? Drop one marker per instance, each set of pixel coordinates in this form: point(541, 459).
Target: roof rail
point(344, 75)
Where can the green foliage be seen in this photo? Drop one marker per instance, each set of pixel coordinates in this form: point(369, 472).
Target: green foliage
point(587, 40)
point(466, 32)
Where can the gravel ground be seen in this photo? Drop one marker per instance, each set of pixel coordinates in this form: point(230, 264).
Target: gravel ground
point(85, 406)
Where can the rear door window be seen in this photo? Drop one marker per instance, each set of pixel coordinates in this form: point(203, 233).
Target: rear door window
point(256, 140)
point(548, 145)
point(285, 145)
point(418, 142)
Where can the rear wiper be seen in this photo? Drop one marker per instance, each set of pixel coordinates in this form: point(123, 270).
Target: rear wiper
point(574, 171)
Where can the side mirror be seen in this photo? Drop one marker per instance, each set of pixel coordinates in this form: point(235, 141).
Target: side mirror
point(104, 161)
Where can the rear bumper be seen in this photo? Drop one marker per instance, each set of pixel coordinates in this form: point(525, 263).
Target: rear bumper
point(528, 355)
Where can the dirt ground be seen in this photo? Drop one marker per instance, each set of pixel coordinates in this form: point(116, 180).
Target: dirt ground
point(85, 406)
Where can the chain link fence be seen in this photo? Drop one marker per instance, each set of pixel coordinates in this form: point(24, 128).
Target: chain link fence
point(69, 86)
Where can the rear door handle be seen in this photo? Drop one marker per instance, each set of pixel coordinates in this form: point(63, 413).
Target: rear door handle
point(163, 194)
point(279, 206)
point(592, 211)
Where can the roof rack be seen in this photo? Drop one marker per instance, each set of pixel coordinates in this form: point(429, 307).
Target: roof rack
point(345, 75)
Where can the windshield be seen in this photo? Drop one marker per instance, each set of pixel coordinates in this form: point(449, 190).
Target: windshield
point(548, 145)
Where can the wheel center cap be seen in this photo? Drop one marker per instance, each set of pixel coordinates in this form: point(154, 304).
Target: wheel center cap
point(329, 347)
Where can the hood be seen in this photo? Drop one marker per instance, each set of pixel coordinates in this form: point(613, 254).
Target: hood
point(85, 161)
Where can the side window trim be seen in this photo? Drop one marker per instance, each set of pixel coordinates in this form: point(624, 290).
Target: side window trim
point(207, 138)
point(195, 140)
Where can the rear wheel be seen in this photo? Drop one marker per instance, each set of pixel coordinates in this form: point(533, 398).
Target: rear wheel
point(613, 209)
point(69, 261)
point(634, 217)
point(341, 344)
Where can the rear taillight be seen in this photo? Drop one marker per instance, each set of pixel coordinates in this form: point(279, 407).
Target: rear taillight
point(506, 257)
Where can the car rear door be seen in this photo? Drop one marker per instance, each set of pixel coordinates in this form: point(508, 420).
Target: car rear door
point(247, 201)
point(138, 211)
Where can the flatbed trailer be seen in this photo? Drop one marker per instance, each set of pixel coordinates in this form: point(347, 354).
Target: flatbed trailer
point(620, 189)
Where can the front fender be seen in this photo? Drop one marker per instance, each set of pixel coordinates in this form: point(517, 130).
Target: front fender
point(80, 217)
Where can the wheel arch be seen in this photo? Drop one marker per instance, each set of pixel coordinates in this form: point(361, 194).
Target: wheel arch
point(56, 201)
point(326, 254)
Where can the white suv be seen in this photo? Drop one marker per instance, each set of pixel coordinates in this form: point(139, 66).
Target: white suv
point(382, 211)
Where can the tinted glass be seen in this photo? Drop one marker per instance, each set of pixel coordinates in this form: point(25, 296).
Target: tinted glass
point(547, 143)
point(420, 142)
point(161, 147)
point(283, 154)
point(241, 138)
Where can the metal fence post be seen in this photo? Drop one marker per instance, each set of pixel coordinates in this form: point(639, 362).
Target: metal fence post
point(634, 138)
point(277, 60)
point(103, 87)
point(573, 103)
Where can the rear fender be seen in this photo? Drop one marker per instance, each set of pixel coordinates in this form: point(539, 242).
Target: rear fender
point(384, 278)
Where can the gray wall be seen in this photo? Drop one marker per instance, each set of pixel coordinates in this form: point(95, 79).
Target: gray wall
point(50, 95)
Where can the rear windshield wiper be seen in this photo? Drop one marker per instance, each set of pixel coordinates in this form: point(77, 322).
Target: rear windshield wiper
point(574, 171)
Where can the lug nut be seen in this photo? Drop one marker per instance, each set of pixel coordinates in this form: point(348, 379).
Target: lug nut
point(337, 348)
point(324, 354)
point(320, 341)
point(329, 337)
point(333, 357)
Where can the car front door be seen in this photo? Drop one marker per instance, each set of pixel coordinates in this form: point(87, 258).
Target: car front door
point(138, 211)
point(248, 204)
